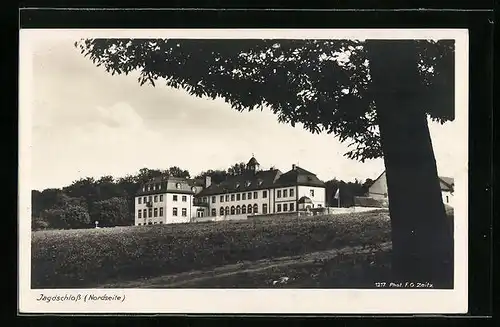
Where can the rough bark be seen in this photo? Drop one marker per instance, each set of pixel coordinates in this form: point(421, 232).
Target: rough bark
point(421, 234)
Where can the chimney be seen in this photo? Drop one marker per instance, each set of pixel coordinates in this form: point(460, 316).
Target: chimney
point(208, 181)
point(293, 167)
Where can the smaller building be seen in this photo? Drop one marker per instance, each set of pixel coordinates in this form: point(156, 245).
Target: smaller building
point(378, 189)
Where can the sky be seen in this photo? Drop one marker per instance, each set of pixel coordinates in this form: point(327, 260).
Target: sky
point(88, 123)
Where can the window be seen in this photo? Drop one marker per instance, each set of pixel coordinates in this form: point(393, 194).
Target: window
point(145, 213)
point(139, 224)
point(227, 197)
point(243, 209)
point(238, 197)
point(144, 188)
point(291, 192)
point(285, 206)
point(184, 198)
point(156, 212)
point(278, 194)
point(264, 208)
point(184, 212)
point(161, 222)
point(238, 210)
point(161, 198)
point(255, 195)
point(249, 209)
point(139, 214)
point(255, 208)
point(178, 185)
point(161, 212)
point(292, 205)
point(221, 198)
point(385, 195)
point(221, 211)
point(204, 199)
point(150, 223)
point(174, 211)
point(139, 200)
point(156, 198)
point(311, 192)
point(249, 195)
point(150, 212)
point(159, 187)
point(226, 211)
point(233, 210)
point(149, 198)
point(155, 223)
point(175, 197)
point(213, 200)
point(214, 212)
point(232, 197)
point(244, 196)
point(285, 193)
point(447, 199)
point(264, 194)
point(319, 205)
point(144, 200)
point(278, 208)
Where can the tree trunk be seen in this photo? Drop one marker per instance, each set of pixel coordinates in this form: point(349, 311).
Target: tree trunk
point(421, 235)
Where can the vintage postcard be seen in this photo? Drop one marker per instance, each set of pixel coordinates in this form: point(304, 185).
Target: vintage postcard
point(243, 171)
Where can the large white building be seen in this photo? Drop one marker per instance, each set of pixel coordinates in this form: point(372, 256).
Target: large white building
point(254, 192)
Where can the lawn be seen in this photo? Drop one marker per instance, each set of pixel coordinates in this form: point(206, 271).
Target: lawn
point(116, 256)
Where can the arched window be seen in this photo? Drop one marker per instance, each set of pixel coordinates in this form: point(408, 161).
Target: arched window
point(249, 208)
point(232, 210)
point(238, 210)
point(227, 211)
point(214, 212)
point(255, 208)
point(243, 209)
point(221, 211)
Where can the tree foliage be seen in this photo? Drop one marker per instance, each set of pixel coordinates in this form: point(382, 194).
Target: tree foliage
point(324, 85)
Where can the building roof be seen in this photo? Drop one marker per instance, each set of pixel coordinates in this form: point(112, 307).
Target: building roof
point(446, 183)
point(264, 179)
point(248, 181)
point(299, 176)
point(166, 184)
point(253, 162)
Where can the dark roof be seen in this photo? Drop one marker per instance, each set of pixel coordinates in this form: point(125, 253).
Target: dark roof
point(447, 183)
point(248, 181)
point(253, 162)
point(304, 199)
point(299, 176)
point(196, 182)
point(166, 185)
point(367, 202)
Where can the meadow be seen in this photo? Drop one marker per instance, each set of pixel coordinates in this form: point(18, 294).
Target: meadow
point(134, 256)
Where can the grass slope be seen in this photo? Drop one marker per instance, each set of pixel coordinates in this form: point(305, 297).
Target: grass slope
point(92, 257)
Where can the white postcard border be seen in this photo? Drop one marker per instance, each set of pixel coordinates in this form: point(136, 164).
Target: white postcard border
point(212, 301)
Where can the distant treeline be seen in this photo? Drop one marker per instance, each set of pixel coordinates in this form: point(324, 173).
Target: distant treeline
point(110, 201)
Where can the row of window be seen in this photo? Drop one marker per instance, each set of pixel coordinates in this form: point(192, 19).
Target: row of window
point(249, 195)
point(151, 187)
point(159, 198)
point(249, 209)
point(145, 213)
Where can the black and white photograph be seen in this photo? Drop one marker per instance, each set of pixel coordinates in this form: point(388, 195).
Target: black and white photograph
point(315, 171)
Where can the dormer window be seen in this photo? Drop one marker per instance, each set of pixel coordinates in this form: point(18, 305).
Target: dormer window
point(237, 185)
point(248, 183)
point(178, 185)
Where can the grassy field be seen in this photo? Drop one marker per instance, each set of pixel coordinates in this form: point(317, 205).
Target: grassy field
point(123, 255)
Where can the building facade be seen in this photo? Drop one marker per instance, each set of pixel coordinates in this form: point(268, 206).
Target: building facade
point(378, 190)
point(253, 192)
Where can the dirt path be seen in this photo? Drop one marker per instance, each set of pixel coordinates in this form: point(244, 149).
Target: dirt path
point(186, 278)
